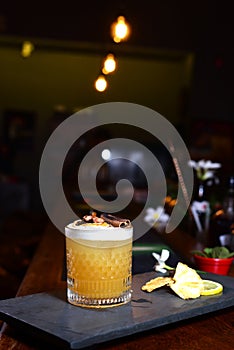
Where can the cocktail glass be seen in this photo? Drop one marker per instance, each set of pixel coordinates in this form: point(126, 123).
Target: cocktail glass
point(99, 265)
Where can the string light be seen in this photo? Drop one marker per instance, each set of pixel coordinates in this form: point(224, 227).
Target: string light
point(101, 83)
point(120, 30)
point(109, 65)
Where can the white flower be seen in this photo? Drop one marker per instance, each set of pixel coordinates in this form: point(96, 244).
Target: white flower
point(193, 164)
point(211, 165)
point(156, 215)
point(161, 259)
point(204, 169)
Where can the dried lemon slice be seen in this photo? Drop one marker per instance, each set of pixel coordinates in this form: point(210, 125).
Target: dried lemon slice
point(211, 287)
point(157, 283)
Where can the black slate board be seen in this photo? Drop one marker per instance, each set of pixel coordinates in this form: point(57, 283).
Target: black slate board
point(48, 315)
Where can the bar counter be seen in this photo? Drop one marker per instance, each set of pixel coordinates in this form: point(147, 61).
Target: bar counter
point(210, 331)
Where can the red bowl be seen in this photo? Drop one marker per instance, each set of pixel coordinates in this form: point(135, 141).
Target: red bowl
point(218, 266)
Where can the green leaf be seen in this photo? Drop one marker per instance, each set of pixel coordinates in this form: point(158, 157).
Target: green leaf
point(220, 252)
point(224, 252)
point(208, 252)
point(198, 252)
point(216, 251)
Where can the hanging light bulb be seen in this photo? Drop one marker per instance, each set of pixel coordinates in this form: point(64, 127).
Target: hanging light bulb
point(120, 30)
point(101, 83)
point(109, 65)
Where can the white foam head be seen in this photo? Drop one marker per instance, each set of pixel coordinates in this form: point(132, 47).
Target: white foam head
point(98, 232)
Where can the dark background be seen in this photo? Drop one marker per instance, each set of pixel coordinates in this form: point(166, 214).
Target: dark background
point(193, 25)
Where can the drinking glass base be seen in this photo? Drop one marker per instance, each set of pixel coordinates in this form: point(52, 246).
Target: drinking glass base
point(79, 300)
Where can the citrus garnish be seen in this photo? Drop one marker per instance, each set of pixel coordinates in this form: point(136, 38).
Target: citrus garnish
point(211, 287)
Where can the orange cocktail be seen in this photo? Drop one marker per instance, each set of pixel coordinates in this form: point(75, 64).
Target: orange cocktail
point(99, 264)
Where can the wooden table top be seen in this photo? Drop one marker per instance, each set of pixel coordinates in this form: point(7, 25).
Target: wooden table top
point(214, 331)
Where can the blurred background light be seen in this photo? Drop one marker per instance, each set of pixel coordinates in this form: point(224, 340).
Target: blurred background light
point(27, 49)
point(120, 30)
point(109, 65)
point(101, 83)
point(106, 154)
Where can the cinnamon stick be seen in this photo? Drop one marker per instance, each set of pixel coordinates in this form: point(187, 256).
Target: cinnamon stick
point(115, 220)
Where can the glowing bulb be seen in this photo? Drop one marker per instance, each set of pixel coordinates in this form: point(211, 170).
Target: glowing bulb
point(27, 49)
point(109, 64)
point(120, 30)
point(101, 83)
